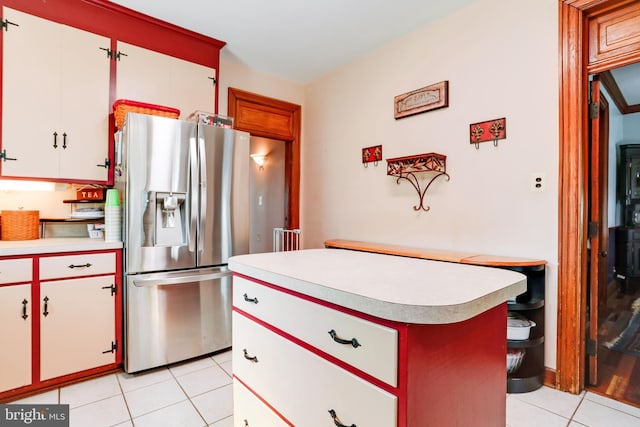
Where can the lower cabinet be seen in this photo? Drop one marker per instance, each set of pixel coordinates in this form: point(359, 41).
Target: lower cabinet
point(15, 335)
point(72, 303)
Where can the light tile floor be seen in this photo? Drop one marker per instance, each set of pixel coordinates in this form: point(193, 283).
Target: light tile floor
point(198, 393)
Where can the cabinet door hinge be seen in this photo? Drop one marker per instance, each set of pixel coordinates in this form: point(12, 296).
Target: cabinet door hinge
point(591, 347)
point(114, 347)
point(3, 156)
point(213, 80)
point(5, 24)
point(593, 229)
point(109, 51)
point(113, 288)
point(111, 55)
point(594, 110)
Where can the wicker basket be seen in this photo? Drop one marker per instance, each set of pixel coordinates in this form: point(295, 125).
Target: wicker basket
point(123, 106)
point(20, 225)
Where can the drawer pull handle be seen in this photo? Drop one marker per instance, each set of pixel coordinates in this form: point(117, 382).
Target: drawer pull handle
point(24, 309)
point(337, 421)
point(247, 299)
point(45, 312)
point(254, 359)
point(87, 265)
point(353, 341)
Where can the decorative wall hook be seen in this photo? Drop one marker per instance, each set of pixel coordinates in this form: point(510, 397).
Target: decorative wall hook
point(406, 168)
point(371, 154)
point(491, 130)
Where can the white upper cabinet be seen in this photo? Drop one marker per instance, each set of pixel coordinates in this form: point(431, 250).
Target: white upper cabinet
point(147, 76)
point(55, 100)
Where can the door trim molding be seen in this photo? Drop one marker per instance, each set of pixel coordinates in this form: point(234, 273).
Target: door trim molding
point(271, 118)
point(574, 17)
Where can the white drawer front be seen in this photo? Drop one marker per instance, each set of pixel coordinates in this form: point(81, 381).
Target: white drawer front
point(58, 267)
point(16, 270)
point(302, 386)
point(377, 353)
point(249, 411)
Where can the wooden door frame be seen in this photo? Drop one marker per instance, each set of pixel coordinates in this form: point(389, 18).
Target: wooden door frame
point(574, 17)
point(271, 118)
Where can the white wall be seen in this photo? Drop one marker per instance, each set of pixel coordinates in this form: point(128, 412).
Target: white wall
point(235, 74)
point(501, 60)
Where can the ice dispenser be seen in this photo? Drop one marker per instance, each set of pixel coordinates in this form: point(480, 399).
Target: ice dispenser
point(165, 219)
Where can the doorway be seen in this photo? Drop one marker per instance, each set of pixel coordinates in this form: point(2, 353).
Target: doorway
point(266, 117)
point(266, 192)
point(613, 329)
point(588, 45)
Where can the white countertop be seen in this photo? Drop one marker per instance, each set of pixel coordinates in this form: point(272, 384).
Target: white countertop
point(52, 245)
point(389, 287)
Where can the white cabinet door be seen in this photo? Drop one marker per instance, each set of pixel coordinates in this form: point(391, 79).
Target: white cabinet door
point(147, 76)
point(84, 105)
point(77, 325)
point(55, 100)
point(15, 336)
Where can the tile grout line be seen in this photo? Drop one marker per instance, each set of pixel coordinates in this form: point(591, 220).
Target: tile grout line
point(126, 403)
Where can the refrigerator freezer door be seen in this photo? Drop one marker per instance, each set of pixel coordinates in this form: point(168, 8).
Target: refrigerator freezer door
point(223, 229)
point(176, 316)
point(160, 227)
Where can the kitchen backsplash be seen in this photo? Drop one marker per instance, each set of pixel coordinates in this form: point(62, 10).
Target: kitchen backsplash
point(49, 203)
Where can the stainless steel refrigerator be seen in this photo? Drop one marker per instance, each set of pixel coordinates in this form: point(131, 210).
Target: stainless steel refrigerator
point(185, 204)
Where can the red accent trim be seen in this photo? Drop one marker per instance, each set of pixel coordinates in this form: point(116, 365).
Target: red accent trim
point(119, 297)
point(282, 417)
point(35, 322)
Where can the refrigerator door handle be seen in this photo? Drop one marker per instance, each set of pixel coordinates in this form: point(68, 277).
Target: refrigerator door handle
point(179, 279)
point(203, 190)
point(193, 165)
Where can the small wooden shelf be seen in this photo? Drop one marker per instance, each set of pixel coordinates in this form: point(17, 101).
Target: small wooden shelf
point(530, 375)
point(406, 167)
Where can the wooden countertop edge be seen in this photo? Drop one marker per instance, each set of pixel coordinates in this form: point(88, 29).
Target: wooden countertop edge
point(434, 254)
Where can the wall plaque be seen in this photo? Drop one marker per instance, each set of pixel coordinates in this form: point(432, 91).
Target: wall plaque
point(420, 100)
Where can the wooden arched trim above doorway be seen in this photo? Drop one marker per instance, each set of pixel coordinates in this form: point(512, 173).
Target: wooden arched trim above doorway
point(581, 24)
point(272, 118)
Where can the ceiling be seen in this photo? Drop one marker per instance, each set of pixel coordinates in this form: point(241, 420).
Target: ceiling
point(302, 40)
point(298, 40)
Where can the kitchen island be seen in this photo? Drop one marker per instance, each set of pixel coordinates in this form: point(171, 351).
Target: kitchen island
point(338, 337)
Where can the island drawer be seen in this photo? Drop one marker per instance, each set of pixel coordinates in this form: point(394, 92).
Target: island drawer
point(281, 372)
point(58, 267)
point(248, 410)
point(375, 350)
point(15, 270)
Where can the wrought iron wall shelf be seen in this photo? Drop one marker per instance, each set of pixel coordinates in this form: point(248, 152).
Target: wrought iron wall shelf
point(406, 168)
